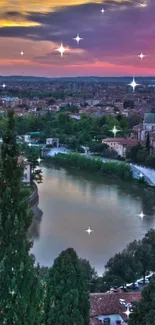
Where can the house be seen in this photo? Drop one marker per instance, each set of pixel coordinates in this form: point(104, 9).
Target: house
point(53, 141)
point(27, 138)
point(109, 308)
point(120, 144)
point(140, 131)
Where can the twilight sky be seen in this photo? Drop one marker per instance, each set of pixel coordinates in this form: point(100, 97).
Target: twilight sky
point(110, 45)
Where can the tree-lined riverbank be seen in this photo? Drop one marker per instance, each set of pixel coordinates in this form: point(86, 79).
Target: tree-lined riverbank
point(97, 166)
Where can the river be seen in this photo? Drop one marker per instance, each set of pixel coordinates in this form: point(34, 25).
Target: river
point(73, 201)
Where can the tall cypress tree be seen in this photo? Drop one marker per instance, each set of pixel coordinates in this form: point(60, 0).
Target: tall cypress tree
point(148, 142)
point(67, 300)
point(20, 290)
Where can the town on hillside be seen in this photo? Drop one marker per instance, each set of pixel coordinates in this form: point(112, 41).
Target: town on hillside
point(101, 128)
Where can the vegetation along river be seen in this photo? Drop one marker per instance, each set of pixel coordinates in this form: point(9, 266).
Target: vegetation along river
point(73, 201)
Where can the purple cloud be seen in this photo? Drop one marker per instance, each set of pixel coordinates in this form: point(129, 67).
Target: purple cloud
point(117, 36)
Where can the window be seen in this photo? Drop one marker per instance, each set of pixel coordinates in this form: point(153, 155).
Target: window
point(106, 321)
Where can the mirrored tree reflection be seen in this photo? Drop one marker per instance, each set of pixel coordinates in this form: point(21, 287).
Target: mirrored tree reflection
point(34, 230)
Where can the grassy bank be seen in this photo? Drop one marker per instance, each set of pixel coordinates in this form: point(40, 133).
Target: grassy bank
point(73, 160)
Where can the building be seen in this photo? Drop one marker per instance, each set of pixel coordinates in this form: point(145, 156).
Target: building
point(140, 131)
point(120, 145)
point(27, 138)
point(53, 141)
point(93, 102)
point(10, 101)
point(109, 308)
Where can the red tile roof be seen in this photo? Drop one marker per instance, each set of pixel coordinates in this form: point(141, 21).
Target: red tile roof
point(94, 321)
point(124, 142)
point(109, 303)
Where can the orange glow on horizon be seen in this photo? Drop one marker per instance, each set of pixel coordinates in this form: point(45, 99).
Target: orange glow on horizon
point(99, 68)
point(17, 23)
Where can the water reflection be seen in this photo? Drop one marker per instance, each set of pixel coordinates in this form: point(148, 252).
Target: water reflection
point(134, 191)
point(72, 201)
point(34, 230)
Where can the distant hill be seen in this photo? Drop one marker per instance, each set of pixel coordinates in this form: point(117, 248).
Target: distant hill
point(140, 79)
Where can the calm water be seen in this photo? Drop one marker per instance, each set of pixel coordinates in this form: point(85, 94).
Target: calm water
point(72, 201)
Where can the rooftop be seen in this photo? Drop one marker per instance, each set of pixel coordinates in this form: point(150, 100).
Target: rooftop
point(110, 303)
point(149, 118)
point(35, 133)
point(122, 141)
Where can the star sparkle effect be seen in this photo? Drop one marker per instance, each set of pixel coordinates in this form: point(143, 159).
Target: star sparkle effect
point(39, 160)
point(133, 84)
point(115, 130)
point(141, 175)
point(78, 39)
point(89, 230)
point(61, 49)
point(141, 215)
point(102, 10)
point(4, 85)
point(141, 56)
point(128, 312)
point(21, 53)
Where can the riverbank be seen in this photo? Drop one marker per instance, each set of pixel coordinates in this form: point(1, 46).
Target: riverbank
point(111, 169)
point(96, 166)
point(74, 200)
point(33, 201)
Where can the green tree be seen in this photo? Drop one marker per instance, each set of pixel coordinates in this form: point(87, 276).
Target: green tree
point(123, 266)
point(32, 156)
point(142, 156)
point(97, 147)
point(48, 130)
point(89, 274)
point(67, 301)
point(20, 297)
point(137, 153)
point(143, 256)
point(144, 311)
point(150, 162)
point(109, 281)
point(149, 239)
point(133, 120)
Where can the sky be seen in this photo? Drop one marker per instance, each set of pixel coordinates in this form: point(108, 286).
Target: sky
point(110, 45)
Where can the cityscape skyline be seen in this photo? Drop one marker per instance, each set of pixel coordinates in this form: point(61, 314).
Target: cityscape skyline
point(115, 42)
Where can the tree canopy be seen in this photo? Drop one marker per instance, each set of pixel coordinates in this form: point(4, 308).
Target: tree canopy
point(20, 297)
point(144, 311)
point(67, 301)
